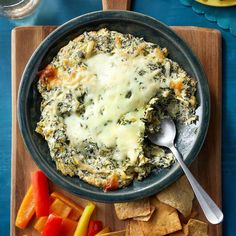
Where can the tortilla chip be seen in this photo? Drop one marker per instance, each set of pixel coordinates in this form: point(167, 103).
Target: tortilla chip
point(185, 230)
point(178, 233)
point(193, 214)
point(147, 217)
point(196, 228)
point(179, 195)
point(127, 230)
point(132, 209)
point(134, 229)
point(182, 232)
point(116, 233)
point(164, 220)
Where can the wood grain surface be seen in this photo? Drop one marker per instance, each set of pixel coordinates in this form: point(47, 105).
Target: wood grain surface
point(116, 5)
point(206, 43)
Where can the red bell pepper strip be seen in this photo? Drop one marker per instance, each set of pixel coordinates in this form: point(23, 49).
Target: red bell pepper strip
point(26, 210)
point(41, 193)
point(52, 226)
point(68, 227)
point(95, 226)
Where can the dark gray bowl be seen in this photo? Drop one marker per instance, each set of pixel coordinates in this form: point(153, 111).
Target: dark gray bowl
point(189, 138)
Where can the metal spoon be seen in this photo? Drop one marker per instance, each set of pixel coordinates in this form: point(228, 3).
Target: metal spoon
point(166, 138)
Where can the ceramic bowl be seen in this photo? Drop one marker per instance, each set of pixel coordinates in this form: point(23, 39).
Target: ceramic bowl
point(189, 138)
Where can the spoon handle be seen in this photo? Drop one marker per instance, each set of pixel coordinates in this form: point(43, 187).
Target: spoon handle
point(212, 212)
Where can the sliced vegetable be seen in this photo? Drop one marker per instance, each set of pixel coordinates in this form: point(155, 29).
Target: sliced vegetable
point(52, 226)
point(94, 227)
point(26, 210)
point(104, 231)
point(82, 226)
point(41, 193)
point(76, 211)
point(68, 227)
point(59, 208)
point(39, 223)
point(116, 233)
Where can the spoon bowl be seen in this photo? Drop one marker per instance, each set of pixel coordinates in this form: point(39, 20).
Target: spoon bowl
point(166, 135)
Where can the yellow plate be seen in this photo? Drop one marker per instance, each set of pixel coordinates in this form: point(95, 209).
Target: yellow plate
point(218, 3)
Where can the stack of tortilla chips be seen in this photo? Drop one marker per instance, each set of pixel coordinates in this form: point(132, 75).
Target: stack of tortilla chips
point(167, 213)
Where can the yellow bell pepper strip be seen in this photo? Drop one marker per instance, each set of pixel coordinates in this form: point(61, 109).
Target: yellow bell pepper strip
point(115, 233)
point(59, 208)
point(26, 210)
point(68, 227)
point(41, 193)
point(39, 223)
point(104, 231)
point(82, 226)
point(94, 227)
point(76, 211)
point(52, 226)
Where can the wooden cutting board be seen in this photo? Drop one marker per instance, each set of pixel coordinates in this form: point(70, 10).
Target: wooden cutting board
point(206, 43)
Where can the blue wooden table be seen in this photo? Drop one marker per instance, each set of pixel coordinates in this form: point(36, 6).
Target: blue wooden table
point(170, 12)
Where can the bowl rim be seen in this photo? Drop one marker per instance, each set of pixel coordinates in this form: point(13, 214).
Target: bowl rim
point(57, 34)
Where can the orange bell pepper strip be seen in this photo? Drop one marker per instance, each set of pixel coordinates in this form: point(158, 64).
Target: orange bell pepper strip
point(76, 211)
point(39, 223)
point(68, 227)
point(83, 223)
point(52, 226)
point(104, 231)
point(41, 193)
point(59, 208)
point(26, 210)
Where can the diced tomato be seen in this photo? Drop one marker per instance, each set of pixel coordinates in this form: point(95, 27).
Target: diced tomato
point(48, 72)
point(112, 183)
point(48, 76)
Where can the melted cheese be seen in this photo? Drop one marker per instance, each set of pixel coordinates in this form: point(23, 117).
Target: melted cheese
point(96, 93)
point(115, 91)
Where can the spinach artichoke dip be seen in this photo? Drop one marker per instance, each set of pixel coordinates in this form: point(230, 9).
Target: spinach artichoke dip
point(101, 94)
